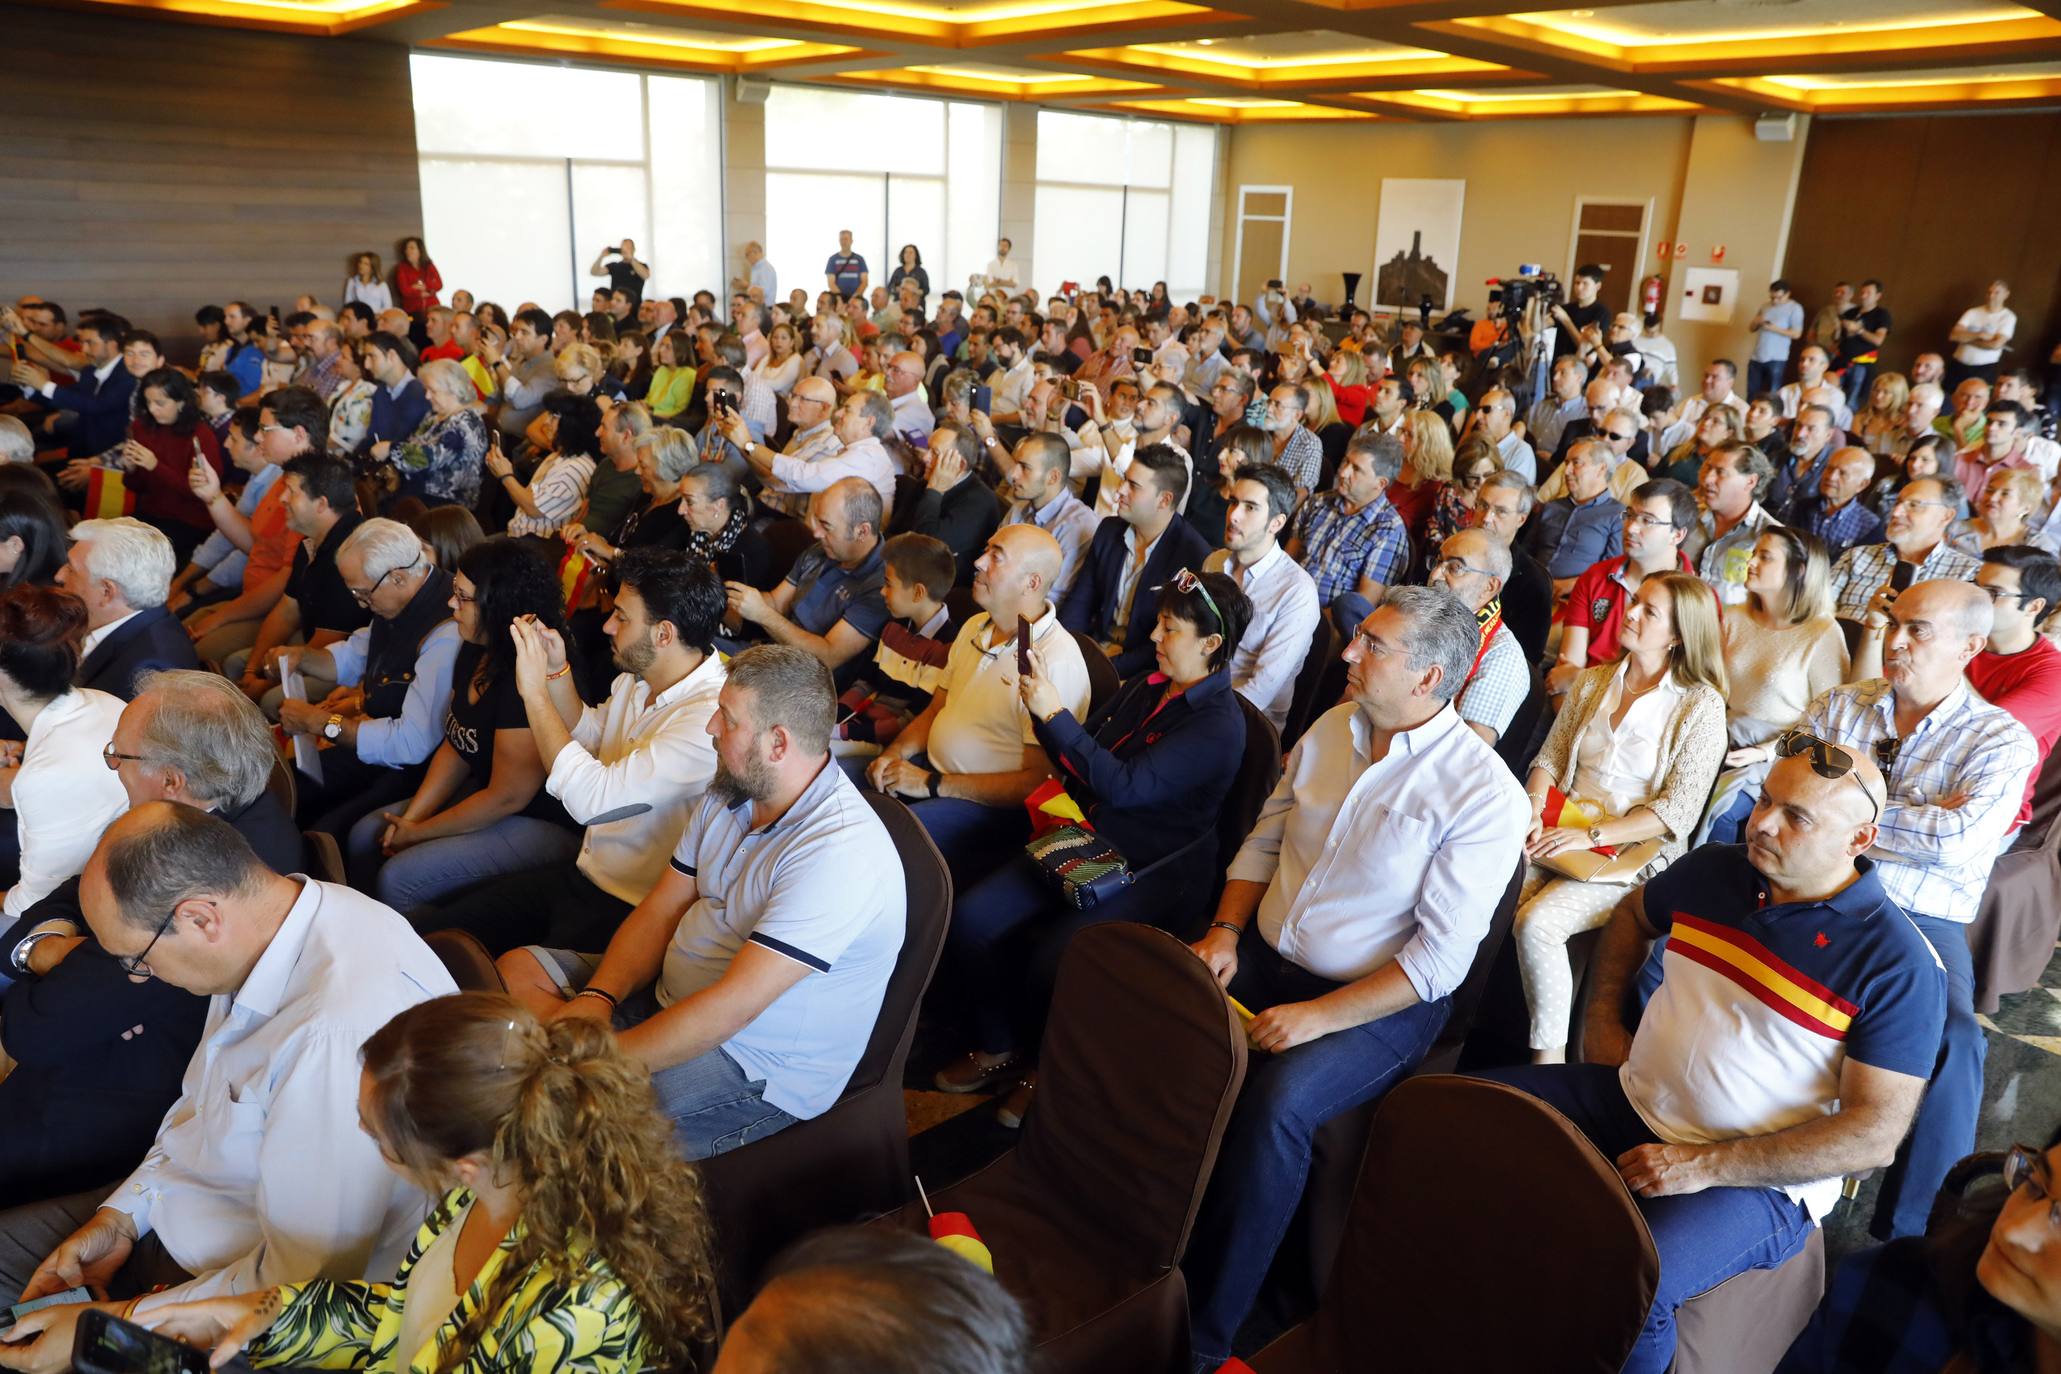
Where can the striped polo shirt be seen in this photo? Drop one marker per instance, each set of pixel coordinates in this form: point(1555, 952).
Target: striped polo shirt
point(1759, 1005)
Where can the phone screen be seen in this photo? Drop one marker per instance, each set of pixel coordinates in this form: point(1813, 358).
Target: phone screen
point(120, 1347)
point(1142, 357)
point(1023, 646)
point(1903, 574)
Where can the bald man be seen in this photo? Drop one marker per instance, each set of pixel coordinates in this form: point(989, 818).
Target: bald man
point(811, 405)
point(1838, 515)
point(904, 383)
point(831, 603)
point(968, 761)
point(1958, 768)
point(1475, 566)
point(1793, 1019)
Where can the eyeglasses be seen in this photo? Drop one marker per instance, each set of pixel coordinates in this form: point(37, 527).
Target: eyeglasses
point(1647, 522)
point(1453, 567)
point(2026, 1167)
point(1909, 503)
point(1187, 583)
point(1999, 593)
point(463, 599)
point(1617, 436)
point(364, 598)
point(135, 963)
point(114, 760)
point(1828, 760)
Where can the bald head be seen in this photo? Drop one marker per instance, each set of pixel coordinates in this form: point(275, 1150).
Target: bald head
point(1013, 577)
point(1808, 827)
point(815, 389)
point(1936, 629)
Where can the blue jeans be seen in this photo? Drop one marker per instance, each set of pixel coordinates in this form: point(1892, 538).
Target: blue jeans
point(983, 947)
point(975, 839)
point(443, 868)
point(1702, 1238)
point(1855, 383)
point(1947, 1116)
point(1265, 1157)
point(1730, 828)
point(1764, 377)
point(713, 1105)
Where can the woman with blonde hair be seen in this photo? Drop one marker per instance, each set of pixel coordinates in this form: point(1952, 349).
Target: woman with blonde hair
point(1719, 426)
point(1322, 419)
point(1782, 648)
point(578, 369)
point(571, 1236)
point(2010, 499)
point(1877, 428)
point(1345, 377)
point(1427, 464)
point(1629, 761)
point(1969, 419)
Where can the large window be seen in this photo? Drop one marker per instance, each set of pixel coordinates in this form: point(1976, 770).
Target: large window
point(892, 169)
point(1124, 198)
point(528, 170)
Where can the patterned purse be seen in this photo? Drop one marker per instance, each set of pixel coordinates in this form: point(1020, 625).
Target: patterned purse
point(1086, 868)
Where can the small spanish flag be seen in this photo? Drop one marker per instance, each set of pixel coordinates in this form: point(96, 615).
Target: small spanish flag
point(1051, 805)
point(1561, 809)
point(573, 571)
point(954, 1231)
point(108, 495)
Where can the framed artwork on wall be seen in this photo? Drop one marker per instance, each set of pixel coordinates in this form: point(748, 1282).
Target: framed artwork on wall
point(1417, 242)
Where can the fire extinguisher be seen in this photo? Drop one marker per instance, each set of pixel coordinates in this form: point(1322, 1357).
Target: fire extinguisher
point(1649, 295)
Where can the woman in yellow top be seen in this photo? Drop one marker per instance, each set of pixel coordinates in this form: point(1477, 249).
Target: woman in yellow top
point(571, 1236)
point(672, 376)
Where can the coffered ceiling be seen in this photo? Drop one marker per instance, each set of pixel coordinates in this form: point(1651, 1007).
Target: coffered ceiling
point(1269, 60)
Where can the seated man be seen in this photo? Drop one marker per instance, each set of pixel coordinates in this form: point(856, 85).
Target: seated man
point(1733, 520)
point(1350, 916)
point(1036, 476)
point(1284, 598)
point(1475, 567)
point(1573, 533)
point(629, 769)
point(400, 667)
point(1656, 520)
point(952, 504)
point(829, 603)
point(1502, 505)
point(1838, 515)
point(122, 570)
point(259, 1173)
point(316, 608)
point(2019, 668)
point(1958, 770)
point(85, 1095)
point(1867, 577)
point(1788, 1043)
point(968, 761)
point(1115, 596)
point(749, 980)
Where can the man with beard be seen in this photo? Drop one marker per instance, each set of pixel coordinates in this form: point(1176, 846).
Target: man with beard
point(748, 981)
point(629, 769)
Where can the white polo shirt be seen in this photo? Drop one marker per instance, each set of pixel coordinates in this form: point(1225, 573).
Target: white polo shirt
point(983, 726)
point(822, 886)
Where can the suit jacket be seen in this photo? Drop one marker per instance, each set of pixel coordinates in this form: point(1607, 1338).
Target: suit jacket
point(1091, 607)
point(151, 640)
point(85, 1101)
point(102, 408)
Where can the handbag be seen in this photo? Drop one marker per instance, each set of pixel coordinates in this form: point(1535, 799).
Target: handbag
point(1603, 864)
point(1087, 869)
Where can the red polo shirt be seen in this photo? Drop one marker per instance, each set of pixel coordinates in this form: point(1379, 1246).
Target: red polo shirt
point(2028, 685)
point(1597, 602)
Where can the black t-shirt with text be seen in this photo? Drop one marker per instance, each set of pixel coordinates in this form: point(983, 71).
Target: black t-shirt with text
point(470, 725)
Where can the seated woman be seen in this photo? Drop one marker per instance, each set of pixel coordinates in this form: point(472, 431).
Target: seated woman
point(1427, 465)
point(578, 370)
point(1979, 1293)
point(57, 785)
point(1635, 749)
point(164, 439)
point(556, 490)
point(717, 510)
point(1782, 648)
point(1346, 379)
point(631, 366)
point(1148, 791)
point(350, 408)
point(441, 461)
point(2010, 499)
point(481, 809)
point(570, 1235)
point(1719, 426)
point(672, 374)
point(32, 539)
point(780, 369)
point(1877, 428)
point(1452, 510)
point(1928, 456)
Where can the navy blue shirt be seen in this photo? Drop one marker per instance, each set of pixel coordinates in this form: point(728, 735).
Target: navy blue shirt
point(848, 269)
point(394, 418)
point(827, 592)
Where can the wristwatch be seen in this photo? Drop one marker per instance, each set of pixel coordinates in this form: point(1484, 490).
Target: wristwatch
point(750, 448)
point(930, 785)
point(1595, 835)
point(332, 729)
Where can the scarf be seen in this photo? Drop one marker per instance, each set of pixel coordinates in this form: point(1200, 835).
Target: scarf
point(706, 546)
point(1490, 618)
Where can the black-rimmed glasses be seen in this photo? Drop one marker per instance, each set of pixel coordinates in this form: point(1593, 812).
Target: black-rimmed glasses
point(2024, 1165)
point(113, 760)
point(364, 598)
point(135, 964)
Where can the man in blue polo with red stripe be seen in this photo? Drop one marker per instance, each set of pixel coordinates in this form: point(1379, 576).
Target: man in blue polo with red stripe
point(1787, 1045)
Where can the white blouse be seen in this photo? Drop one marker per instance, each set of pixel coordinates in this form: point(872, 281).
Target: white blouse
point(1620, 768)
point(558, 487)
point(781, 377)
point(65, 794)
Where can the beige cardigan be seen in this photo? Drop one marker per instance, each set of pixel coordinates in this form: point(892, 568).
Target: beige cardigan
point(1692, 751)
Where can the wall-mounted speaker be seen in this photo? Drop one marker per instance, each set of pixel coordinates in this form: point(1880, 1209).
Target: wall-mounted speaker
point(753, 90)
point(1775, 128)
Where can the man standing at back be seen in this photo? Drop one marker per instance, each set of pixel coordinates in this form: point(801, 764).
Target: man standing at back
point(846, 273)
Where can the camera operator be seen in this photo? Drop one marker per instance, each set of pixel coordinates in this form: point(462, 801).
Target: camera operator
point(1581, 313)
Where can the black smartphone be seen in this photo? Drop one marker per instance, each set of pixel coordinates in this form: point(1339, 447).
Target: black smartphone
point(1023, 645)
point(1141, 357)
point(1903, 574)
point(273, 311)
point(105, 1344)
point(984, 399)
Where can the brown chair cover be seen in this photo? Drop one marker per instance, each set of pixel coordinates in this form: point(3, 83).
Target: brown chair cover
point(1460, 1259)
point(1258, 771)
point(788, 538)
point(282, 785)
point(1087, 1218)
point(852, 1162)
point(1302, 703)
point(2013, 934)
point(471, 965)
point(1746, 1324)
point(1103, 678)
point(325, 857)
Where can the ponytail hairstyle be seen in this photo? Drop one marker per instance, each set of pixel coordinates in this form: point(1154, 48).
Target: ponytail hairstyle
point(559, 1108)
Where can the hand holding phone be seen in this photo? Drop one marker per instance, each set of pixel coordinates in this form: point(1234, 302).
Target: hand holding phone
point(1023, 647)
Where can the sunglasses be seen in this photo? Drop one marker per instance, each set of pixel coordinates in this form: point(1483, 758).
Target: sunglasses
point(1827, 760)
point(1187, 582)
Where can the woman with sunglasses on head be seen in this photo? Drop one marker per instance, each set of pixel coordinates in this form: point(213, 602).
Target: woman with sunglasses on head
point(1150, 769)
point(570, 1238)
point(1979, 1293)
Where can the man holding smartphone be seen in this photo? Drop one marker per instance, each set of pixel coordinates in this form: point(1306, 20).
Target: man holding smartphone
point(626, 274)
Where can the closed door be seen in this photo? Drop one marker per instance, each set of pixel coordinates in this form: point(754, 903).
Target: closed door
point(1263, 224)
point(1612, 235)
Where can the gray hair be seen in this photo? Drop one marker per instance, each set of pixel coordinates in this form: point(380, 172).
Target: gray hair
point(205, 727)
point(718, 482)
point(448, 377)
point(791, 688)
point(17, 445)
point(879, 412)
point(384, 546)
point(674, 454)
point(136, 558)
point(1440, 629)
point(1385, 449)
point(182, 853)
point(1508, 480)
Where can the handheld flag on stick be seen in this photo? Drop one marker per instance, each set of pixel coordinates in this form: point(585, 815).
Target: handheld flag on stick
point(954, 1231)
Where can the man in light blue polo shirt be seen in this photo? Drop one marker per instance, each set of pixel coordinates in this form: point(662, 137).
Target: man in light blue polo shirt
point(749, 980)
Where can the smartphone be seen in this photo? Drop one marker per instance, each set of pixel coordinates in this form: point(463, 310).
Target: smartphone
point(1903, 574)
point(1141, 357)
point(984, 399)
point(106, 1344)
point(22, 1309)
point(720, 403)
point(1023, 645)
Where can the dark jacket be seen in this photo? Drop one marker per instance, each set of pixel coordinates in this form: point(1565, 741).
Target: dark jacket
point(84, 1102)
point(102, 408)
point(963, 518)
point(150, 641)
point(1149, 783)
point(1528, 604)
point(1090, 606)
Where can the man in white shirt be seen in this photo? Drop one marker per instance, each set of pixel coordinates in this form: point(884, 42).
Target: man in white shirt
point(1351, 914)
point(749, 980)
point(968, 761)
point(1011, 386)
point(1812, 362)
point(1002, 271)
point(858, 426)
point(1284, 597)
point(1718, 376)
point(1980, 336)
point(260, 1173)
point(628, 769)
point(811, 407)
point(912, 418)
point(1036, 484)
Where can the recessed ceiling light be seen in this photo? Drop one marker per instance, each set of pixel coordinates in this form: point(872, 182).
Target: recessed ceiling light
point(1205, 42)
point(1583, 14)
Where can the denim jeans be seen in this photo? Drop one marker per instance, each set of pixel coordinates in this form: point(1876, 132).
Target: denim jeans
point(1854, 383)
point(445, 867)
point(975, 839)
point(1265, 1157)
point(711, 1102)
point(1702, 1238)
point(1952, 1105)
point(1764, 377)
point(1348, 609)
point(1730, 827)
point(983, 948)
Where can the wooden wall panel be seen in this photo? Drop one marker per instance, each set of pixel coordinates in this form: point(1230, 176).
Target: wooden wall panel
point(1936, 206)
point(152, 168)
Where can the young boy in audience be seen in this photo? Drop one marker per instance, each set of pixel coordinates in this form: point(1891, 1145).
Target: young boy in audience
point(897, 681)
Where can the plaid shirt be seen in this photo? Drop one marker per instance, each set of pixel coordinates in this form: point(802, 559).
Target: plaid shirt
point(1843, 528)
point(1340, 547)
point(1884, 1314)
point(1499, 685)
point(1863, 568)
point(1934, 860)
point(1303, 458)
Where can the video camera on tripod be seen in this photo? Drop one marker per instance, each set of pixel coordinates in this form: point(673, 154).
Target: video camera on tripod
point(1532, 283)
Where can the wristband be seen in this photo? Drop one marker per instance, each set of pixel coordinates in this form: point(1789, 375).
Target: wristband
point(553, 677)
point(602, 993)
point(1226, 925)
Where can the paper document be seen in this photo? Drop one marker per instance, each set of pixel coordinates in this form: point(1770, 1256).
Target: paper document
point(307, 752)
